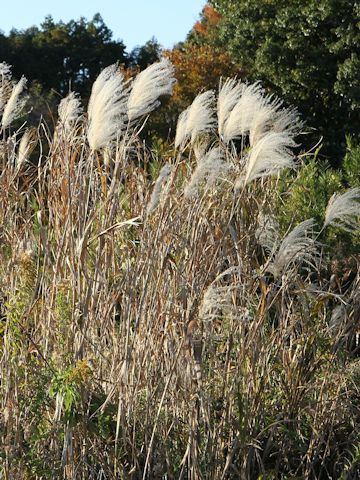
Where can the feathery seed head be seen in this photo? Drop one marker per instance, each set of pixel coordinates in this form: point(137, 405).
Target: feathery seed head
point(267, 232)
point(107, 107)
point(245, 110)
point(201, 115)
point(15, 104)
point(296, 247)
point(196, 119)
point(218, 299)
point(229, 95)
point(246, 101)
point(156, 80)
point(108, 155)
point(5, 70)
point(342, 210)
point(25, 147)
point(5, 84)
point(269, 156)
point(69, 110)
point(200, 147)
point(214, 301)
point(3, 96)
point(181, 128)
point(210, 168)
point(286, 120)
point(337, 316)
point(164, 175)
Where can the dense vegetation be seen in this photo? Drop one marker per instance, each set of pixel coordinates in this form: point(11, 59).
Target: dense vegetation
point(305, 51)
point(68, 56)
point(59, 57)
point(171, 329)
point(174, 305)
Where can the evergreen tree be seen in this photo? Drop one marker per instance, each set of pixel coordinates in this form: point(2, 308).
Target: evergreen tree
point(308, 52)
point(62, 55)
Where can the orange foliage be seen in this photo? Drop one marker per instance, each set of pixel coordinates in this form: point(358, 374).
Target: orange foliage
point(211, 15)
point(210, 18)
point(199, 68)
point(200, 28)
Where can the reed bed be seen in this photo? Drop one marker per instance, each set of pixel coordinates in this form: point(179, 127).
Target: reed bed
point(155, 320)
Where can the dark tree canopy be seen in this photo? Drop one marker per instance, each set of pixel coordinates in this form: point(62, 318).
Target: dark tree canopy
point(62, 55)
point(307, 51)
point(145, 55)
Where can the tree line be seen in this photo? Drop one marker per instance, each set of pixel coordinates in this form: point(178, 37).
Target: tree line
point(306, 52)
point(69, 55)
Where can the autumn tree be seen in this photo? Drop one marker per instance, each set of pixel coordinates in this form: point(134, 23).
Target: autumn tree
point(200, 61)
point(198, 68)
point(206, 31)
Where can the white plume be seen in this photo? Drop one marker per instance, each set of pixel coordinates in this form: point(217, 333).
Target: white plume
point(229, 95)
point(296, 247)
point(267, 232)
point(337, 316)
point(286, 119)
point(181, 127)
point(246, 110)
point(164, 174)
point(25, 147)
point(5, 85)
point(69, 110)
point(218, 299)
point(342, 210)
point(5, 70)
point(268, 156)
point(107, 107)
point(196, 119)
point(3, 96)
point(15, 104)
point(215, 301)
point(261, 123)
point(109, 155)
point(210, 168)
point(242, 116)
point(156, 80)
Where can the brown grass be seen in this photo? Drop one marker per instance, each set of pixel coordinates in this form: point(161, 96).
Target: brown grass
point(154, 346)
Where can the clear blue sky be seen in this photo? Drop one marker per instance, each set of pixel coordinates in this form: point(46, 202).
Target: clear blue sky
point(133, 21)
